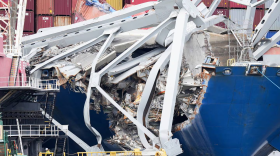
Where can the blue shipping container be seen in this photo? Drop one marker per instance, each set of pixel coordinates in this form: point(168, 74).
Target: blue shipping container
point(270, 34)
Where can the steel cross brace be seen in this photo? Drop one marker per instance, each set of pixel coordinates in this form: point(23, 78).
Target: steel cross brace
point(266, 46)
point(112, 33)
point(147, 94)
point(266, 22)
point(96, 76)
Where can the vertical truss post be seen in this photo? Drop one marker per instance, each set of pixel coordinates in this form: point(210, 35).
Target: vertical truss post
point(173, 76)
point(113, 33)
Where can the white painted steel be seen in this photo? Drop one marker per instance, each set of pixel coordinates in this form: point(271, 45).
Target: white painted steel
point(95, 77)
point(20, 24)
point(266, 22)
point(268, 4)
point(157, 68)
point(173, 76)
point(266, 46)
point(76, 139)
point(19, 136)
point(213, 7)
point(248, 22)
point(112, 33)
point(276, 25)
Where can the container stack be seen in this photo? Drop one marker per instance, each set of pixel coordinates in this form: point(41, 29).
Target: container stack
point(237, 14)
point(53, 13)
point(29, 25)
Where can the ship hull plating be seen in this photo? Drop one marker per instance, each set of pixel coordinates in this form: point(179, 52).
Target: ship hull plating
point(239, 115)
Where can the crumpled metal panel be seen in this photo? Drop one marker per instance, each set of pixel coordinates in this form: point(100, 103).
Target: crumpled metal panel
point(69, 70)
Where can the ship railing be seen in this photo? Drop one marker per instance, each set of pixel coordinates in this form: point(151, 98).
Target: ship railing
point(33, 130)
point(22, 81)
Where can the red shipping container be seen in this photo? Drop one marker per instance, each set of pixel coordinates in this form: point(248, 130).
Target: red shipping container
point(236, 5)
point(30, 5)
point(29, 21)
point(74, 2)
point(207, 3)
point(223, 12)
point(44, 22)
point(88, 12)
point(44, 7)
point(135, 2)
point(76, 18)
point(3, 13)
point(62, 7)
point(27, 34)
point(223, 4)
point(127, 2)
point(258, 17)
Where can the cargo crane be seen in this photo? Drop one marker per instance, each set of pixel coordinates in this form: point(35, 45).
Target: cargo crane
point(175, 22)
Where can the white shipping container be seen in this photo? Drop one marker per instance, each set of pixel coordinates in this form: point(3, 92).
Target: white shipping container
point(268, 3)
point(276, 24)
point(237, 16)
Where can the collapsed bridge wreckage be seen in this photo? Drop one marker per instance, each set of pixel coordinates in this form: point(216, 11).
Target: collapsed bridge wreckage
point(141, 78)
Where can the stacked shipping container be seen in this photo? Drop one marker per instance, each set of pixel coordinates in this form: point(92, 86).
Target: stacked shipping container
point(52, 13)
point(29, 26)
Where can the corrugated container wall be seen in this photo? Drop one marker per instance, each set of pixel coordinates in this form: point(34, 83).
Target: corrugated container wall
point(135, 2)
point(207, 3)
point(116, 4)
point(270, 34)
point(62, 21)
point(276, 24)
point(236, 5)
point(29, 21)
point(268, 3)
point(77, 17)
point(44, 22)
point(88, 12)
point(223, 4)
point(27, 34)
point(238, 16)
point(258, 17)
point(62, 7)
point(74, 2)
point(30, 5)
point(223, 12)
point(44, 7)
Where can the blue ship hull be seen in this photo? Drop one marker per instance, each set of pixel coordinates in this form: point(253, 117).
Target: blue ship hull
point(238, 115)
point(69, 111)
